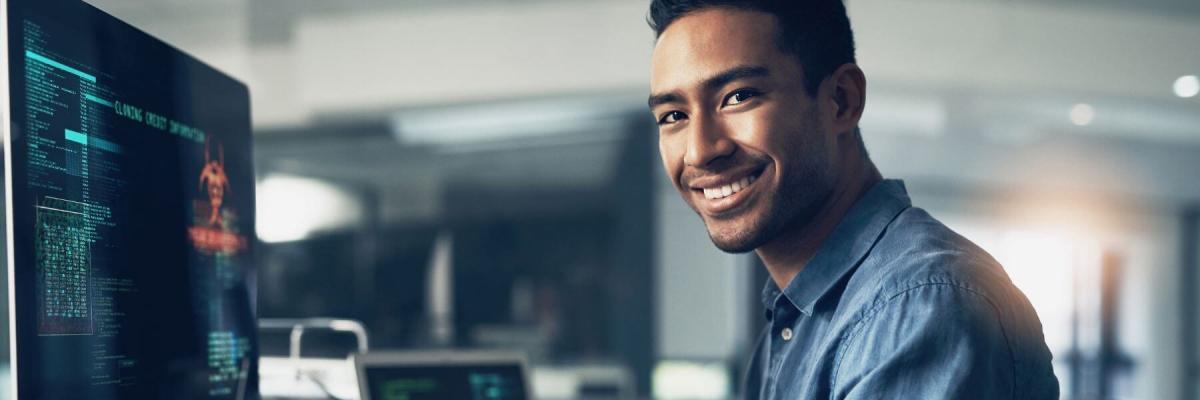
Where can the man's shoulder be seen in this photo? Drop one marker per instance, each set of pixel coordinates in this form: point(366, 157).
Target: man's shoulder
point(918, 250)
point(922, 275)
point(920, 264)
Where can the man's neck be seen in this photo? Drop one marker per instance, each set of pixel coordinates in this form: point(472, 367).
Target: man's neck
point(787, 255)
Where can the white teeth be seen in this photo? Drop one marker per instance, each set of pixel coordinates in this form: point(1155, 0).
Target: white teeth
point(728, 190)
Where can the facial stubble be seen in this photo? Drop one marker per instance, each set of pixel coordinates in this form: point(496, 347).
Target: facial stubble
point(803, 189)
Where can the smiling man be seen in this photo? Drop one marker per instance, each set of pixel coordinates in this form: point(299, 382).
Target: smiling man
point(758, 105)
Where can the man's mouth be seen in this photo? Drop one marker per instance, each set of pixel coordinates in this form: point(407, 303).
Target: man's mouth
point(725, 192)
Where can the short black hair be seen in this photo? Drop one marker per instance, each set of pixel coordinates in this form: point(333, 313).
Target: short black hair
point(816, 32)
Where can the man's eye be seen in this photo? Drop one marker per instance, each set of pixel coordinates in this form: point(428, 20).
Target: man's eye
point(671, 117)
point(739, 96)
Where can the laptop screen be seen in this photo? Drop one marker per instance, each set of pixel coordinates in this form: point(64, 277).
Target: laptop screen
point(465, 381)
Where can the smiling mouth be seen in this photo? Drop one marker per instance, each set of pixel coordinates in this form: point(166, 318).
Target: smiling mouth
point(723, 191)
point(720, 191)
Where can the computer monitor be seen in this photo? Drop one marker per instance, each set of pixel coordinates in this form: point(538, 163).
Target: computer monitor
point(445, 375)
point(130, 204)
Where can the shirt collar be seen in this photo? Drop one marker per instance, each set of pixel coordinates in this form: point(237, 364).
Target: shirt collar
point(845, 247)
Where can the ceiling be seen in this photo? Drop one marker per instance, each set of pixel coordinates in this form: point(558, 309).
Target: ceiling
point(982, 83)
point(272, 21)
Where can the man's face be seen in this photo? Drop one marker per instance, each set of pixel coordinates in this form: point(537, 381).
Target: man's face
point(739, 137)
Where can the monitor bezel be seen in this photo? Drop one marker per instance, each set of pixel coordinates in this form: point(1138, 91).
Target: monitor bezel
point(6, 125)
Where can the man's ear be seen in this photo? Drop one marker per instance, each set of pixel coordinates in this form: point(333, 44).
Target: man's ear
point(849, 97)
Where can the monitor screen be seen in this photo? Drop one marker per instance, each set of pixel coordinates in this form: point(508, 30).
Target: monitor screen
point(131, 213)
point(459, 381)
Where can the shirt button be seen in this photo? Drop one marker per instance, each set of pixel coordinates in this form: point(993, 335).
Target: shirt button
point(786, 334)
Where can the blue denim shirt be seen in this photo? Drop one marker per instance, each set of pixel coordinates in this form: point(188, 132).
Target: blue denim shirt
point(895, 305)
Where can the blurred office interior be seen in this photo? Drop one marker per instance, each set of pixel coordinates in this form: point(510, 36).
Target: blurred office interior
point(485, 174)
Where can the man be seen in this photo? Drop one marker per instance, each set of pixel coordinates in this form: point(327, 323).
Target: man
point(758, 104)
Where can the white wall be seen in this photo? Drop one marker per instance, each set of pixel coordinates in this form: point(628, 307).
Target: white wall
point(422, 57)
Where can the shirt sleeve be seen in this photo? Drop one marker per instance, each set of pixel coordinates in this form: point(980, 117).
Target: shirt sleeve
point(931, 341)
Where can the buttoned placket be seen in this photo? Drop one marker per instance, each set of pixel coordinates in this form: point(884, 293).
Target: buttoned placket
point(783, 319)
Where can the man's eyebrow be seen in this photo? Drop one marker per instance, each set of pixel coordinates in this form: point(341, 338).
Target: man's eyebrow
point(659, 99)
point(714, 82)
point(735, 73)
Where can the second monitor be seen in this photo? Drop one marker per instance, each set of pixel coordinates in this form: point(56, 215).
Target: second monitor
point(130, 213)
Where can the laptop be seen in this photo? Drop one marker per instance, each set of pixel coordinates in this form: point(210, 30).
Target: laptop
point(442, 375)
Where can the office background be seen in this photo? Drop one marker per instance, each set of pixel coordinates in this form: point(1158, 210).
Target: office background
point(485, 174)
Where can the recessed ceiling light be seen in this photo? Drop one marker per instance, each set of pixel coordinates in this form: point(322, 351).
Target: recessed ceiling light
point(1187, 86)
point(1082, 114)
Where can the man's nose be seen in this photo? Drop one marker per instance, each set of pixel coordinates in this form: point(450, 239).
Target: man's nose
point(708, 141)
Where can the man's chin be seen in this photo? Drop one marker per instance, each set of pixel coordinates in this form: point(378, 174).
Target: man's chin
point(735, 242)
point(737, 233)
point(734, 248)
